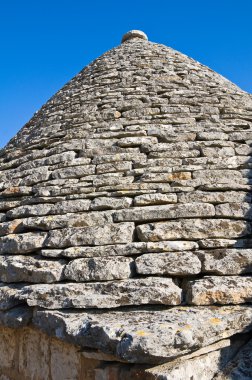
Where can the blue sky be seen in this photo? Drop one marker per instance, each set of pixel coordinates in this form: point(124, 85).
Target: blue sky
point(45, 43)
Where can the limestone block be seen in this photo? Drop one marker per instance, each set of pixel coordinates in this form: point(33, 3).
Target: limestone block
point(114, 167)
point(105, 158)
point(218, 152)
point(30, 269)
point(100, 269)
point(154, 199)
point(234, 210)
point(222, 176)
point(109, 203)
point(165, 212)
point(51, 222)
point(218, 243)
point(99, 251)
point(147, 336)
point(192, 229)
point(166, 177)
point(9, 295)
point(7, 228)
point(212, 136)
point(177, 153)
point(151, 290)
point(169, 246)
point(95, 235)
point(74, 171)
point(168, 263)
point(214, 197)
point(135, 141)
point(226, 261)
point(222, 290)
point(22, 243)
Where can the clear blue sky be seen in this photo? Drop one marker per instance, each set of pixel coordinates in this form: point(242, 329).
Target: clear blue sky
point(44, 43)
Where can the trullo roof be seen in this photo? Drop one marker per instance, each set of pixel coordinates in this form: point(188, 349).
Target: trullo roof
point(125, 208)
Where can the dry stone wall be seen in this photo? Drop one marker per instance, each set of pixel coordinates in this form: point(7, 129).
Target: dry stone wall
point(131, 187)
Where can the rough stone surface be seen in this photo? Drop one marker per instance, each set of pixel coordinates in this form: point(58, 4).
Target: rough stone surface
point(30, 269)
point(219, 290)
point(171, 263)
point(240, 367)
point(226, 261)
point(147, 336)
point(100, 269)
point(23, 243)
point(152, 290)
point(192, 229)
point(165, 212)
point(109, 234)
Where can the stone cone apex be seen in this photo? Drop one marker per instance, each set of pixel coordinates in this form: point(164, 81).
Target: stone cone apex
point(129, 191)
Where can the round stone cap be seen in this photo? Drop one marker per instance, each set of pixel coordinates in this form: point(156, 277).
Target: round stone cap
point(134, 34)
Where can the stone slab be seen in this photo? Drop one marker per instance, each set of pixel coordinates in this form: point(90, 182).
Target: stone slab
point(151, 336)
point(193, 229)
point(188, 210)
point(100, 269)
point(223, 290)
point(108, 294)
point(181, 263)
point(95, 235)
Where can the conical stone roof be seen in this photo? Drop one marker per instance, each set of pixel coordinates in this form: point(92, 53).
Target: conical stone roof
point(129, 191)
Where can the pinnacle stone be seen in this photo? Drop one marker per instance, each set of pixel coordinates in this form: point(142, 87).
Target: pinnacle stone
point(134, 34)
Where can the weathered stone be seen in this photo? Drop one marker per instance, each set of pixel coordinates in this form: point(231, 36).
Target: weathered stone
point(114, 167)
point(168, 263)
point(105, 158)
point(192, 210)
point(154, 199)
point(109, 234)
point(152, 290)
point(9, 295)
point(217, 243)
point(100, 269)
point(214, 197)
point(74, 171)
point(165, 177)
point(219, 290)
point(193, 229)
point(8, 228)
point(147, 336)
point(212, 136)
point(135, 141)
point(22, 243)
point(169, 246)
point(221, 176)
point(234, 210)
point(226, 261)
point(109, 203)
point(218, 152)
point(69, 206)
point(240, 368)
point(202, 364)
point(98, 251)
point(30, 269)
point(52, 222)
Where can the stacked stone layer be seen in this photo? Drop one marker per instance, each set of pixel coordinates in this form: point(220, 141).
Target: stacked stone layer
point(131, 188)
